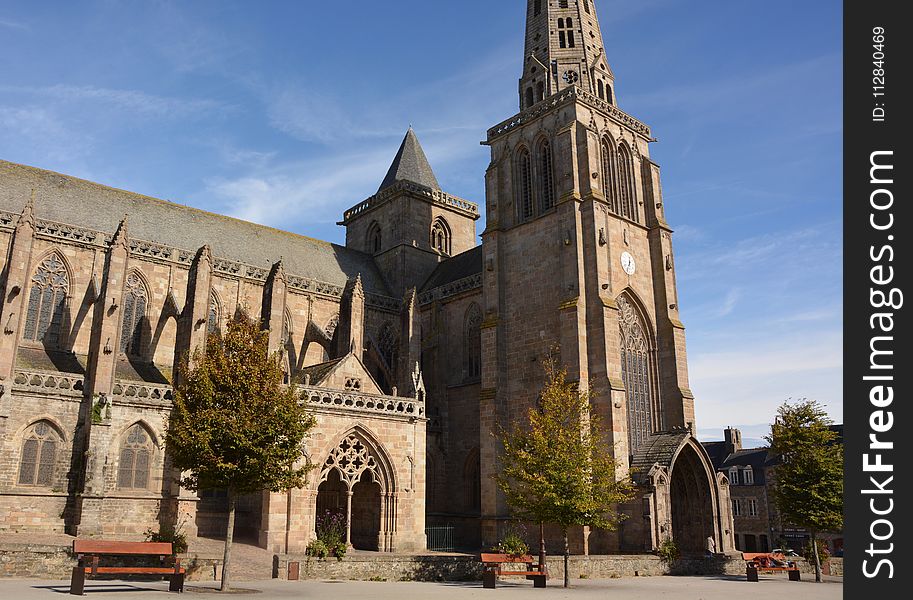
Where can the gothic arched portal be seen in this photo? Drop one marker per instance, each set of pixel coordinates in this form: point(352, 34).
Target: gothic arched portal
point(356, 485)
point(692, 502)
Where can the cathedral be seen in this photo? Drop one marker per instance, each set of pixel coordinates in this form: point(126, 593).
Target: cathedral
point(410, 344)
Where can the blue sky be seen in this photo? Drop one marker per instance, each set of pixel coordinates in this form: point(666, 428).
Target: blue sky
point(287, 113)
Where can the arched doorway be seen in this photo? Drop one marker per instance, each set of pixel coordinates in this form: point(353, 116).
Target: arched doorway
point(356, 482)
point(692, 502)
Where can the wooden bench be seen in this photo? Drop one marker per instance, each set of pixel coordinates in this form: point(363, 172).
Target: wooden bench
point(765, 562)
point(90, 552)
point(491, 565)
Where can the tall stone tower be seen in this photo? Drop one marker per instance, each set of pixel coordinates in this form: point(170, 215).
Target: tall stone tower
point(564, 48)
point(578, 260)
point(410, 225)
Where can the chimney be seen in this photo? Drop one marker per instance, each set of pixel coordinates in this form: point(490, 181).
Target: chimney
point(733, 438)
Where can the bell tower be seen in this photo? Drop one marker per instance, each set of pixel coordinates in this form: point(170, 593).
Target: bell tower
point(564, 48)
point(577, 260)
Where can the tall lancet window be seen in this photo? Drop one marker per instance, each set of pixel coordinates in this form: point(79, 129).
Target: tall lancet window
point(472, 343)
point(135, 300)
point(637, 374)
point(610, 174)
point(47, 302)
point(627, 198)
point(214, 318)
point(524, 184)
point(546, 176)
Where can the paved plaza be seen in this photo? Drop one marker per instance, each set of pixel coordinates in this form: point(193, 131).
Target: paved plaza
point(642, 588)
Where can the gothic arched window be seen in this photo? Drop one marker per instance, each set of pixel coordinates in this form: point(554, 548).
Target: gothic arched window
point(610, 174)
point(388, 345)
point(214, 318)
point(472, 342)
point(38, 460)
point(440, 236)
point(374, 238)
point(136, 451)
point(637, 369)
point(135, 300)
point(530, 100)
point(47, 301)
point(627, 199)
point(524, 185)
point(546, 176)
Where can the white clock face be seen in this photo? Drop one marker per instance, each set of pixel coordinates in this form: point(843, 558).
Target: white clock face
point(627, 263)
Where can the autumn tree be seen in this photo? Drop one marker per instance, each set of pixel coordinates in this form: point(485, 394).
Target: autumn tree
point(809, 477)
point(557, 466)
point(234, 425)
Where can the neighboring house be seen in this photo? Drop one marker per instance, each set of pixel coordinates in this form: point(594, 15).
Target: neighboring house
point(752, 477)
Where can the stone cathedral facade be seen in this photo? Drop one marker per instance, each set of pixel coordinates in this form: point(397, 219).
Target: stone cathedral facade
point(410, 343)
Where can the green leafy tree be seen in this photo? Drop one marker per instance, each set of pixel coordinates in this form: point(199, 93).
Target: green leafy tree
point(557, 467)
point(234, 425)
point(809, 479)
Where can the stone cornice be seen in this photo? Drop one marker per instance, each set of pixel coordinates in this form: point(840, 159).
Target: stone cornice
point(156, 252)
point(451, 289)
point(567, 96)
point(454, 203)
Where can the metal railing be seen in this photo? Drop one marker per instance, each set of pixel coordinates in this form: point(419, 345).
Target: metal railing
point(440, 539)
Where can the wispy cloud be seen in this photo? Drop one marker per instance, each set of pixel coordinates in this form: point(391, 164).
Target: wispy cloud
point(134, 101)
point(10, 24)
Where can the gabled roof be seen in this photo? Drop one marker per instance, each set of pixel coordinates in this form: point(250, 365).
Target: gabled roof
point(410, 164)
point(333, 375)
point(68, 200)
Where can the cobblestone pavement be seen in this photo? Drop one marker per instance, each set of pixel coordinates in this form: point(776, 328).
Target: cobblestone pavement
point(643, 588)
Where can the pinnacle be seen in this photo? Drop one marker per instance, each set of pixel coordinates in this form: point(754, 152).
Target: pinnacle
point(411, 164)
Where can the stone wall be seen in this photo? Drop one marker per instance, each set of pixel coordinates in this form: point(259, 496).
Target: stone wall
point(42, 561)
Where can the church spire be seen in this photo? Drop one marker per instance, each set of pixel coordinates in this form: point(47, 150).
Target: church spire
point(411, 164)
point(564, 48)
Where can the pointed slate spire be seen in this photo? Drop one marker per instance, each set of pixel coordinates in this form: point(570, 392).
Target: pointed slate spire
point(410, 164)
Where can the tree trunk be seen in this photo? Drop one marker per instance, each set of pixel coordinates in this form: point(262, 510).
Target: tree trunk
point(229, 534)
point(817, 558)
point(542, 565)
point(567, 555)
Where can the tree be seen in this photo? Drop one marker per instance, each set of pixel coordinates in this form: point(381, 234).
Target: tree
point(234, 425)
point(809, 478)
point(557, 467)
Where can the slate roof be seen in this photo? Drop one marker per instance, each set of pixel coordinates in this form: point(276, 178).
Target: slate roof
point(318, 372)
point(758, 459)
point(659, 448)
point(72, 201)
point(410, 164)
point(455, 268)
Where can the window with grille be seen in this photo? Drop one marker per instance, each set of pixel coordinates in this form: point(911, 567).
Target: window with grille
point(38, 461)
point(566, 33)
point(47, 302)
point(752, 507)
point(737, 507)
point(133, 471)
point(135, 301)
point(546, 176)
point(748, 476)
point(472, 342)
point(733, 476)
point(637, 374)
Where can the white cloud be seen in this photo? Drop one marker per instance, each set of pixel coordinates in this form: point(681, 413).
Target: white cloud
point(10, 24)
point(757, 374)
point(132, 101)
